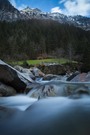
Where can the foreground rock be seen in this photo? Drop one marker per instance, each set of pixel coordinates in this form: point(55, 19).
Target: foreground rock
point(53, 88)
point(33, 72)
point(13, 78)
point(79, 77)
point(52, 77)
point(6, 90)
point(73, 75)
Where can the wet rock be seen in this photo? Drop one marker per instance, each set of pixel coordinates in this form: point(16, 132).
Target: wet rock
point(37, 72)
point(51, 89)
point(19, 68)
point(52, 77)
point(25, 71)
point(13, 78)
point(43, 92)
point(55, 88)
point(72, 76)
point(79, 77)
point(83, 77)
point(81, 90)
point(6, 90)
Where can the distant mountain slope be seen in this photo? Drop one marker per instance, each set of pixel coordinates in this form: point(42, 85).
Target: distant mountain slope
point(78, 21)
point(9, 13)
point(5, 5)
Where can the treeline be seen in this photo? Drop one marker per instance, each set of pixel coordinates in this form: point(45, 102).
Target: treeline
point(32, 38)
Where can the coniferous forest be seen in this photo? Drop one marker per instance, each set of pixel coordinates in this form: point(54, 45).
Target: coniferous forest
point(30, 39)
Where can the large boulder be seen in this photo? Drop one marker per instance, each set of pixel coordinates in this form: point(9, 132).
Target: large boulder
point(53, 88)
point(12, 77)
point(53, 69)
point(83, 77)
point(73, 75)
point(6, 90)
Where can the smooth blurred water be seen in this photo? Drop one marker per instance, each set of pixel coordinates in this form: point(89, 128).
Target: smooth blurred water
point(53, 88)
point(51, 116)
point(21, 102)
point(58, 88)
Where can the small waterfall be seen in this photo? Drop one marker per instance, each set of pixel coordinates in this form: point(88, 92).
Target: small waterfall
point(58, 88)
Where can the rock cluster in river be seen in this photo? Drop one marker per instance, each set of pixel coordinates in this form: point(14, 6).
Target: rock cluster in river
point(22, 80)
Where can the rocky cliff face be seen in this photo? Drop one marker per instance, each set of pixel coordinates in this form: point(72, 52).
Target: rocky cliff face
point(8, 12)
point(5, 5)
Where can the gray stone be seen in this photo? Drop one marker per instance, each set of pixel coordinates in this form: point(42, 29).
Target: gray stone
point(52, 77)
point(25, 71)
point(73, 76)
point(37, 72)
point(80, 78)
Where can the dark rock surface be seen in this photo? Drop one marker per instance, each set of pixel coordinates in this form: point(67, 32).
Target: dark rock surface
point(53, 69)
point(52, 77)
point(6, 90)
point(13, 78)
point(72, 76)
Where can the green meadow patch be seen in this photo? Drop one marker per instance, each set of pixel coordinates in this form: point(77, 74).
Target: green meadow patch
point(42, 61)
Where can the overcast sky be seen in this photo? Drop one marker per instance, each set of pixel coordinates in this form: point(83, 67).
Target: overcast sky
point(68, 7)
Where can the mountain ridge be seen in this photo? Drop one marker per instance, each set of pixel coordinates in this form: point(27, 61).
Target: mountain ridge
point(10, 13)
point(78, 20)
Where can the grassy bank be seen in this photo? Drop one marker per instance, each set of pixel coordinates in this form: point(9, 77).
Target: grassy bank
point(42, 61)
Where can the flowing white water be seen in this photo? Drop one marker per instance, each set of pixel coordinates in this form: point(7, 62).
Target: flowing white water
point(59, 87)
point(21, 102)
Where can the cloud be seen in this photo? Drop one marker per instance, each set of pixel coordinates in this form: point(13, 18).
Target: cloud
point(13, 2)
point(62, 1)
point(81, 7)
point(74, 7)
point(55, 10)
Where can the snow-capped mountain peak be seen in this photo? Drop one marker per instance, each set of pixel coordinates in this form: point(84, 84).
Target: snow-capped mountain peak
point(27, 9)
point(31, 10)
